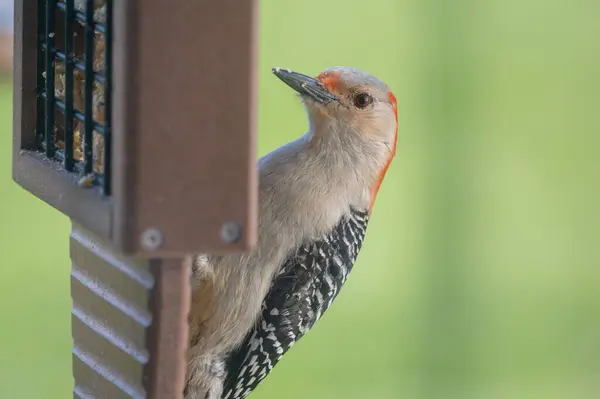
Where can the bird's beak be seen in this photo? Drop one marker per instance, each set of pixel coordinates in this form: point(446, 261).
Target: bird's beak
point(305, 85)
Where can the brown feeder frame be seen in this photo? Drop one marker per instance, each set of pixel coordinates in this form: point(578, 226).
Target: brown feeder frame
point(179, 174)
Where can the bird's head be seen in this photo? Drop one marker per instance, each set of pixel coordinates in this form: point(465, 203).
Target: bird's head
point(347, 101)
point(350, 106)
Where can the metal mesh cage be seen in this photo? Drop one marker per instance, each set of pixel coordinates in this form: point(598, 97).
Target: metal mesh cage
point(73, 123)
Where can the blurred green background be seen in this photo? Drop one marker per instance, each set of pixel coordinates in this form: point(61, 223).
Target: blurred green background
point(480, 276)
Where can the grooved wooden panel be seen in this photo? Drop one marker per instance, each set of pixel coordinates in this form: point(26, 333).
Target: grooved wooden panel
point(129, 322)
point(110, 319)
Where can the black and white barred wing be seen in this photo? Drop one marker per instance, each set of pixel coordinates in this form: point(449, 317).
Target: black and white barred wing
point(305, 288)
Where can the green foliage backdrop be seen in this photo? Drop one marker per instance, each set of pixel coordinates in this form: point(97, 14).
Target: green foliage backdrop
point(480, 276)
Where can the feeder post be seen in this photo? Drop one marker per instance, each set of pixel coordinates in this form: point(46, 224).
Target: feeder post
point(172, 117)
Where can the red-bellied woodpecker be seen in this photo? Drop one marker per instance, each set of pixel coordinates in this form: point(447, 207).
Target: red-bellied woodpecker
point(316, 195)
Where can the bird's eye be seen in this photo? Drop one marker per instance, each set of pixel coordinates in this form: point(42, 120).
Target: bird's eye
point(362, 100)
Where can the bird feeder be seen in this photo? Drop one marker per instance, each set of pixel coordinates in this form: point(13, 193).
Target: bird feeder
point(136, 119)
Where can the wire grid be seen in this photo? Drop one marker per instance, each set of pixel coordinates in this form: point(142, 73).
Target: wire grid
point(47, 100)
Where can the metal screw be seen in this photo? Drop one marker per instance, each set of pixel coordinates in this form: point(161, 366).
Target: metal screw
point(151, 239)
point(231, 232)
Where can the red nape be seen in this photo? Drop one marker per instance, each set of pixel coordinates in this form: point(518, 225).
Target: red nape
point(377, 185)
